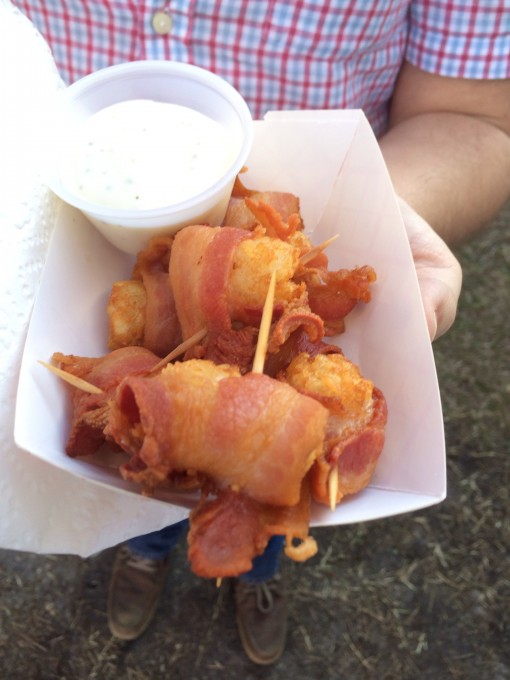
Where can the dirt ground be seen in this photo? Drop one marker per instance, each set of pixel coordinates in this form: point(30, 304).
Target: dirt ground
point(419, 596)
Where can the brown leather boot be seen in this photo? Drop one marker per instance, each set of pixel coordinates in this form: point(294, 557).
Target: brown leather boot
point(261, 614)
point(135, 588)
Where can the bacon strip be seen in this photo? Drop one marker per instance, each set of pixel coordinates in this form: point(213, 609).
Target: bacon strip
point(229, 530)
point(199, 268)
point(141, 310)
point(333, 294)
point(91, 411)
point(251, 433)
point(240, 215)
point(294, 319)
point(162, 330)
point(355, 455)
point(234, 346)
point(297, 343)
point(272, 221)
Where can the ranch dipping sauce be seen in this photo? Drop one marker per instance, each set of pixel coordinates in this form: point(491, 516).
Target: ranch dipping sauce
point(143, 154)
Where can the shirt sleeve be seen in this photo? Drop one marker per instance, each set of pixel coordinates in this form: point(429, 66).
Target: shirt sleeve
point(460, 39)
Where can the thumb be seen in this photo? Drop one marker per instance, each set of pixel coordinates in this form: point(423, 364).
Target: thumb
point(438, 270)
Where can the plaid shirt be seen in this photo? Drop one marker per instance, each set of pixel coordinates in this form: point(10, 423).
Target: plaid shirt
point(280, 54)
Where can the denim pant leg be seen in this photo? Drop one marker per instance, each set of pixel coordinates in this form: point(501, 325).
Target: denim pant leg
point(266, 565)
point(158, 544)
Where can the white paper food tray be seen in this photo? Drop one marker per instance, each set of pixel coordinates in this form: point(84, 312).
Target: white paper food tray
point(331, 160)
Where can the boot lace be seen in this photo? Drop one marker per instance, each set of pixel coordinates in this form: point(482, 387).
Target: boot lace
point(264, 593)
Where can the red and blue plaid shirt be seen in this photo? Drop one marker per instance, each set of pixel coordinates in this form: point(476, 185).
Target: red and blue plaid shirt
point(280, 54)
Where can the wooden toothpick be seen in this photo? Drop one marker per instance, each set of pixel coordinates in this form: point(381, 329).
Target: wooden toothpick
point(333, 487)
point(265, 327)
point(180, 349)
point(308, 257)
point(72, 379)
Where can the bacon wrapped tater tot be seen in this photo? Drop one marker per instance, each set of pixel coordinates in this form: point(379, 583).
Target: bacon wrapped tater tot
point(247, 432)
point(355, 433)
point(141, 310)
point(92, 411)
point(219, 278)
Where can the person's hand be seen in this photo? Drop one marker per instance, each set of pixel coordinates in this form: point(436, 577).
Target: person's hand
point(439, 272)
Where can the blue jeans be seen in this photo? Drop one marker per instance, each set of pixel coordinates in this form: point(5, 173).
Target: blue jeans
point(158, 544)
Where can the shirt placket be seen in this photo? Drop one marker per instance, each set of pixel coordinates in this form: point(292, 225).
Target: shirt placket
point(165, 28)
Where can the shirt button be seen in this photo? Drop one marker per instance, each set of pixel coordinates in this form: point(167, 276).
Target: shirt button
point(162, 22)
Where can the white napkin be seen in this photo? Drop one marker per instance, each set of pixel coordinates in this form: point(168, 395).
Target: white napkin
point(42, 509)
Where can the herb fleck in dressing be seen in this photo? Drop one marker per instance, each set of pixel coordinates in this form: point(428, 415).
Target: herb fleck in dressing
point(143, 154)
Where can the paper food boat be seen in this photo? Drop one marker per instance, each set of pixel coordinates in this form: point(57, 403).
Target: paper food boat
point(332, 162)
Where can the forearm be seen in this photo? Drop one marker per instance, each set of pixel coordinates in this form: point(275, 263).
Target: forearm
point(453, 169)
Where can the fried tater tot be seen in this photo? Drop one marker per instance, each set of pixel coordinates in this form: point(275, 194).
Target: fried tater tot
point(253, 263)
point(126, 312)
